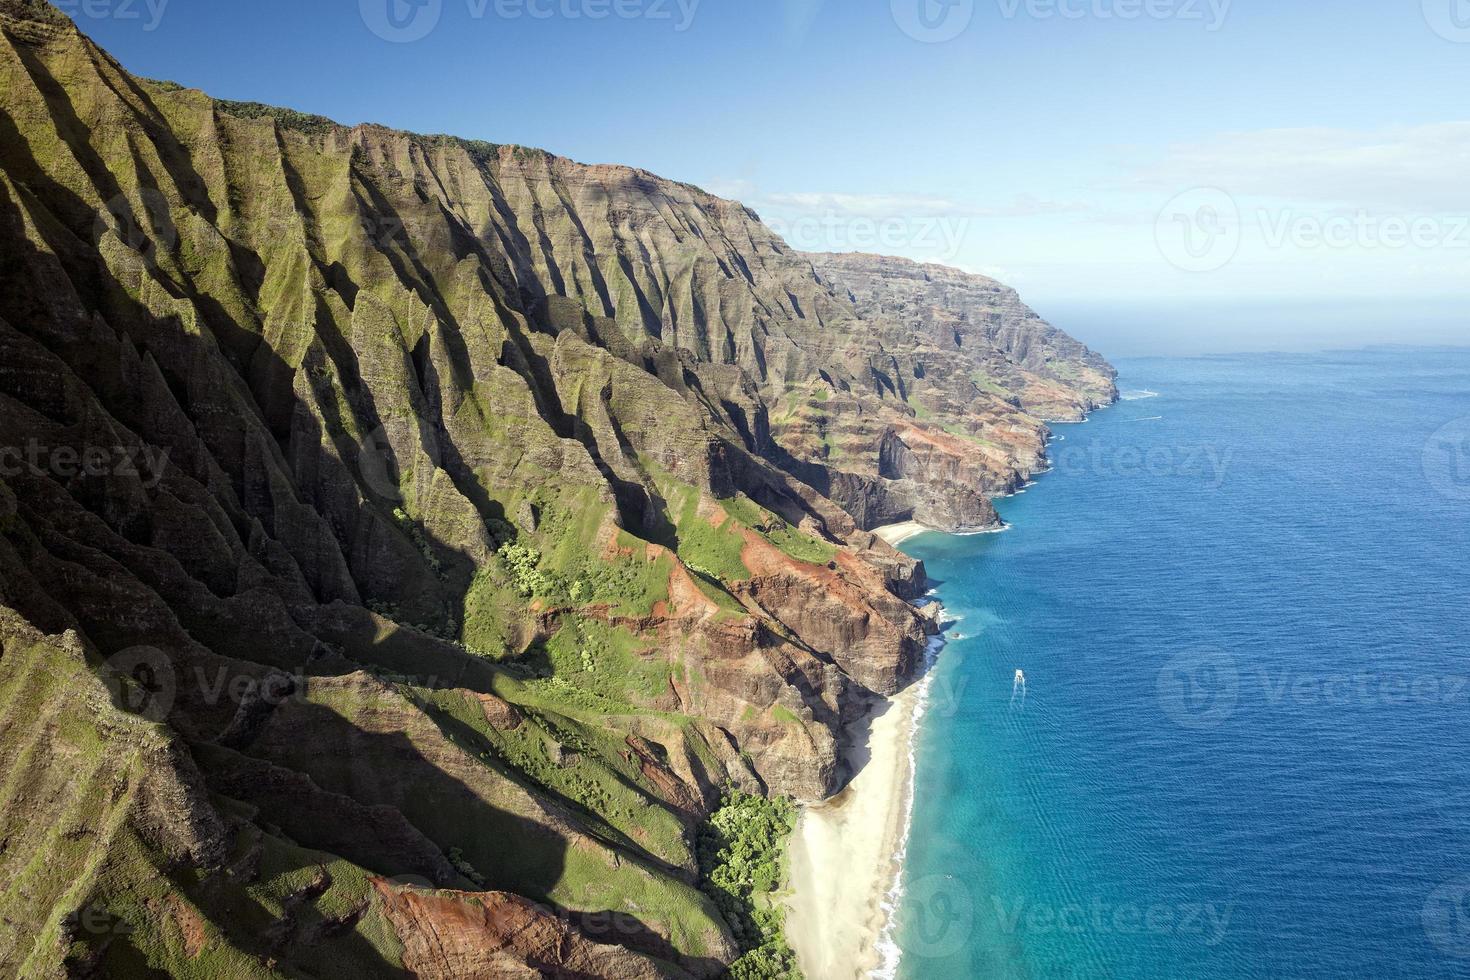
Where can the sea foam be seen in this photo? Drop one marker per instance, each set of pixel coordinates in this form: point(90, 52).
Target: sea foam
point(889, 951)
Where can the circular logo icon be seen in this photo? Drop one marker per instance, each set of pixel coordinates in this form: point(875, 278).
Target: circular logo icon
point(401, 21)
point(1199, 230)
point(1200, 691)
point(940, 917)
point(1447, 918)
point(144, 227)
point(1447, 460)
point(933, 21)
point(379, 466)
point(1450, 19)
point(142, 682)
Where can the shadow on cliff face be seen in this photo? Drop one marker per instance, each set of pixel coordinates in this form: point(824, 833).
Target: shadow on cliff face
point(297, 551)
point(856, 743)
point(402, 807)
point(615, 928)
point(376, 770)
point(464, 735)
point(308, 937)
point(257, 438)
point(502, 850)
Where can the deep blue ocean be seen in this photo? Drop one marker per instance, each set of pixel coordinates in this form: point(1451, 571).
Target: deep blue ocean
point(1242, 749)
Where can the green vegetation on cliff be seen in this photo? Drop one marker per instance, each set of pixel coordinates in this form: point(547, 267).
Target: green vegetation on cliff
point(742, 852)
point(479, 454)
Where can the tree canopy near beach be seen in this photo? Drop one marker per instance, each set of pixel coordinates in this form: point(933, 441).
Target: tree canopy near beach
point(741, 849)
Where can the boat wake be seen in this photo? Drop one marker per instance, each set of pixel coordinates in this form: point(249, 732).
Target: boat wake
point(1018, 690)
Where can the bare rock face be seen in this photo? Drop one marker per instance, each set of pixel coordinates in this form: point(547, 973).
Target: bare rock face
point(415, 507)
point(448, 936)
point(501, 715)
point(983, 329)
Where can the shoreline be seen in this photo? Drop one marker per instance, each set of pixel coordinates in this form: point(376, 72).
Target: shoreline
point(836, 919)
point(897, 534)
point(839, 924)
point(846, 854)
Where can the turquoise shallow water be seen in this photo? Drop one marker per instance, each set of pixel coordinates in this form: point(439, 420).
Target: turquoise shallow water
point(1243, 750)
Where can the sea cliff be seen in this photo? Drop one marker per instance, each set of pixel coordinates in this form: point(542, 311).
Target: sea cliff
point(409, 540)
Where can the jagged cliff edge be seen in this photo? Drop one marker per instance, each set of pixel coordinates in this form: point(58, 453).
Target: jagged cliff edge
point(396, 528)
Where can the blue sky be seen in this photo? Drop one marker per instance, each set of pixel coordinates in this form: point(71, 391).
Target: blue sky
point(1120, 160)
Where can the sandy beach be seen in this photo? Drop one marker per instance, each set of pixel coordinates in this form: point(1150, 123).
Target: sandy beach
point(896, 534)
point(845, 852)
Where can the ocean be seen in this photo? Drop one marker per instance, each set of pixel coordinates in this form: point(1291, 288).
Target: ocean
point(1241, 605)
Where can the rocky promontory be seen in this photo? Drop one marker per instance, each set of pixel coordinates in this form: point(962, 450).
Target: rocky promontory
point(405, 541)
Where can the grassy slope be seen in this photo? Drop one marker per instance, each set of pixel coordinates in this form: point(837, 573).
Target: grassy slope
point(299, 213)
point(92, 884)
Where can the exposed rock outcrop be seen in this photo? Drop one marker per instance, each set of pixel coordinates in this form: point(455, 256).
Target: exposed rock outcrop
point(983, 329)
point(440, 510)
point(453, 936)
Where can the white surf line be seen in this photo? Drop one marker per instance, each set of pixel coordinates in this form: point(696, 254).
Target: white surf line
point(889, 951)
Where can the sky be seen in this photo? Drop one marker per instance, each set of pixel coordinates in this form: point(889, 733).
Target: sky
point(1158, 176)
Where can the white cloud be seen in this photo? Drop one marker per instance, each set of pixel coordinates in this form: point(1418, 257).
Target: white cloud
point(1027, 206)
point(913, 205)
point(733, 189)
point(862, 205)
point(1403, 167)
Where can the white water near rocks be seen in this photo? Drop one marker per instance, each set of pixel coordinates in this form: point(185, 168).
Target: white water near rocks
point(887, 946)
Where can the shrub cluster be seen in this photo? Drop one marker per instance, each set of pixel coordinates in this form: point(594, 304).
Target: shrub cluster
point(526, 576)
point(285, 118)
point(740, 854)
